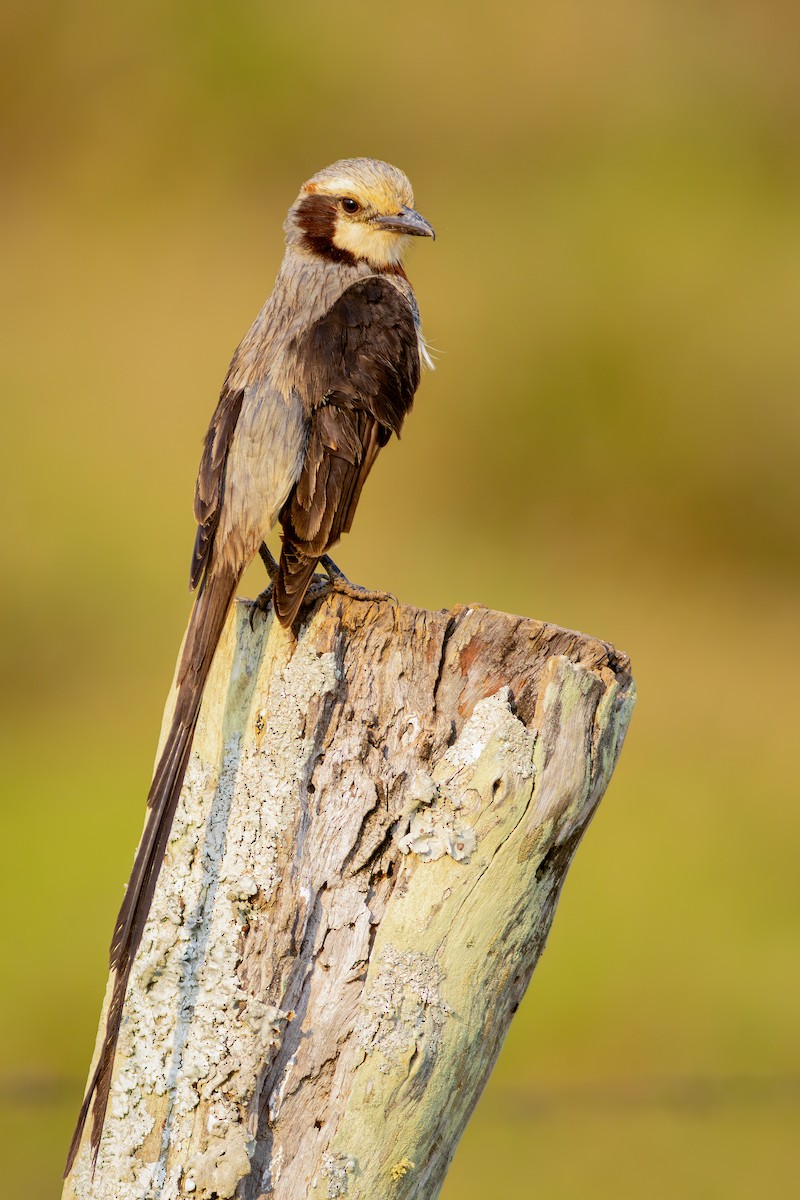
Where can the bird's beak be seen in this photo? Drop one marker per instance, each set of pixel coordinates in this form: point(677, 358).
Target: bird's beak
point(406, 221)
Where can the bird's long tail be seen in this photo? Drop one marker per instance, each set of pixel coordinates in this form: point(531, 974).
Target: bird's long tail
point(205, 628)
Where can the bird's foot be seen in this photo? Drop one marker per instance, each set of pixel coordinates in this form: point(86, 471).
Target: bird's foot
point(338, 582)
point(262, 604)
point(319, 587)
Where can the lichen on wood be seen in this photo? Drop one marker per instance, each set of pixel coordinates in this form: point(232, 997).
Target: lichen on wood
point(374, 829)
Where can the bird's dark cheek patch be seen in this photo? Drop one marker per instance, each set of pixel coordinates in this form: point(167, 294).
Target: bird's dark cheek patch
point(316, 217)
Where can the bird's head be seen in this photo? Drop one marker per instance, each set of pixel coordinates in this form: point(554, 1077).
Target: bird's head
point(357, 210)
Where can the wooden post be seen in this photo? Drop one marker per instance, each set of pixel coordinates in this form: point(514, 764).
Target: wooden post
point(373, 833)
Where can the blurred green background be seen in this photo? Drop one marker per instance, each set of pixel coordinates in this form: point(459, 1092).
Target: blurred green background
point(610, 441)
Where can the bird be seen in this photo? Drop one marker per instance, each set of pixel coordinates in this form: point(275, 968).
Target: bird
point(324, 377)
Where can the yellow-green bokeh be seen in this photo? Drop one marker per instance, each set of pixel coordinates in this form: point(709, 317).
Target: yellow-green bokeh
point(610, 441)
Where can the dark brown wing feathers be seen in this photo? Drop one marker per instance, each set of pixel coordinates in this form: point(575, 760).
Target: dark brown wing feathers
point(361, 370)
point(211, 479)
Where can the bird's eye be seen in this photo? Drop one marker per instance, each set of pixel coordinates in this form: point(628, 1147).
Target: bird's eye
point(349, 205)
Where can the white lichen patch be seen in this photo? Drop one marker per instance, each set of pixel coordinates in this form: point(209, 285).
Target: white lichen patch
point(401, 1008)
point(460, 784)
point(193, 1039)
point(217, 1170)
point(492, 724)
point(335, 1169)
point(461, 842)
point(434, 833)
point(420, 790)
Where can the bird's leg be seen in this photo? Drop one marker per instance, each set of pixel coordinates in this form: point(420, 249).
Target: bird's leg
point(340, 583)
point(263, 600)
point(268, 561)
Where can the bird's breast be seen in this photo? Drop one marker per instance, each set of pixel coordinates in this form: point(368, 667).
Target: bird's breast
point(264, 463)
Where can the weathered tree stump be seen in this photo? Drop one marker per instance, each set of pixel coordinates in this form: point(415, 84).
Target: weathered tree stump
point(373, 833)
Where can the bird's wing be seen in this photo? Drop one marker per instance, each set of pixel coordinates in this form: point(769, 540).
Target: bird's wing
point(211, 478)
point(360, 370)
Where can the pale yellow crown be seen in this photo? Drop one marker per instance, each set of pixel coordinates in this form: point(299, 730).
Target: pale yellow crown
point(377, 186)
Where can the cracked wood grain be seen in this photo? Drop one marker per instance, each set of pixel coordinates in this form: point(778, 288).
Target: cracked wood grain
point(373, 833)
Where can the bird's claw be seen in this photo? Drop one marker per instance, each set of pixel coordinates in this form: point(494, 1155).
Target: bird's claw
point(262, 604)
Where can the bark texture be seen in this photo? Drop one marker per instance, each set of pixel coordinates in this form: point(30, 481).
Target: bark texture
point(364, 866)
